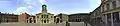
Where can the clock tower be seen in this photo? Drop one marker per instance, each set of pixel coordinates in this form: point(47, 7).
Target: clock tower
point(45, 17)
point(44, 8)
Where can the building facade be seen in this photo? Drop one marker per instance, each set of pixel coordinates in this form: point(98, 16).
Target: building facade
point(44, 17)
point(23, 18)
point(77, 17)
point(31, 19)
point(96, 17)
point(61, 18)
point(8, 18)
point(109, 13)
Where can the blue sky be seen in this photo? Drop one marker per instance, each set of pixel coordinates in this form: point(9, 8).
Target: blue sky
point(53, 6)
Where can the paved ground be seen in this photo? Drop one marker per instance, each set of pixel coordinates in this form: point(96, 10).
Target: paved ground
point(77, 24)
point(30, 24)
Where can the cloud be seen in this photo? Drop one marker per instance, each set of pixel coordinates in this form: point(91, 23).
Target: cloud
point(29, 6)
point(20, 10)
point(24, 8)
point(43, 1)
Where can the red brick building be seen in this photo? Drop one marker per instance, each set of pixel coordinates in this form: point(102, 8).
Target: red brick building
point(23, 17)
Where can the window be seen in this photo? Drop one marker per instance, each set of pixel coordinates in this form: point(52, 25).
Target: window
point(37, 16)
point(77, 20)
point(44, 21)
point(114, 4)
point(30, 20)
point(102, 8)
point(47, 21)
point(60, 21)
point(108, 6)
point(46, 16)
point(42, 16)
point(116, 17)
point(57, 20)
point(27, 21)
point(54, 20)
point(109, 19)
point(51, 16)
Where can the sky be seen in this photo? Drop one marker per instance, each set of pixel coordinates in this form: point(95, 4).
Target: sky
point(33, 7)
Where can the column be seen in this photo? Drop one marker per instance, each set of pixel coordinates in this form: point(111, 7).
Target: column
point(119, 15)
point(36, 19)
point(105, 19)
point(112, 20)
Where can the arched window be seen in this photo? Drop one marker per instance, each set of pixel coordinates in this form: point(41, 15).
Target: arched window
point(30, 20)
point(42, 16)
point(44, 21)
point(57, 20)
